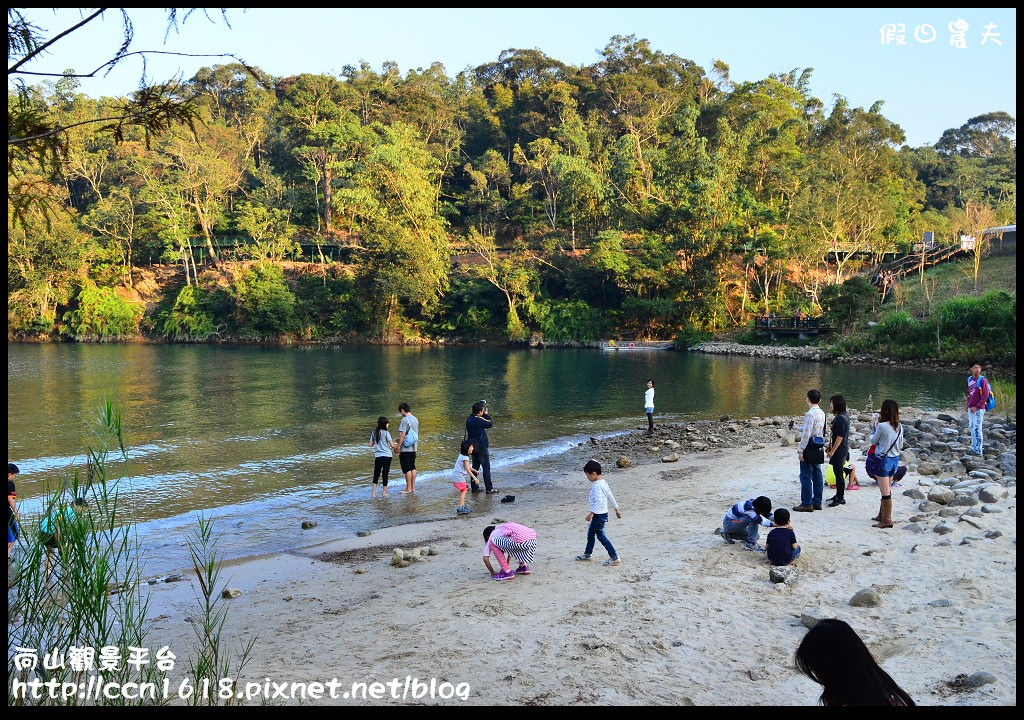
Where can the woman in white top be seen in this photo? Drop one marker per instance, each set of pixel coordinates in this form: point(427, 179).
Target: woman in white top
point(649, 406)
point(383, 448)
point(888, 441)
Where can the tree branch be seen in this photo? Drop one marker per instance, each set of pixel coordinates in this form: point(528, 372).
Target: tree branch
point(51, 41)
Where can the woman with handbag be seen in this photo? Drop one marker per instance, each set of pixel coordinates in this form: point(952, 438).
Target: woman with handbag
point(883, 464)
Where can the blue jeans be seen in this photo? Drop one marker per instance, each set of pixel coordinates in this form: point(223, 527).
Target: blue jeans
point(794, 556)
point(596, 531)
point(742, 529)
point(812, 484)
point(974, 420)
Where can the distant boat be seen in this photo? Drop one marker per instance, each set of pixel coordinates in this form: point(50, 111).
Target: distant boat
point(637, 345)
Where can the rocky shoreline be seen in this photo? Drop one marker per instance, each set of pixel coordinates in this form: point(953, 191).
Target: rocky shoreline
point(818, 353)
point(951, 483)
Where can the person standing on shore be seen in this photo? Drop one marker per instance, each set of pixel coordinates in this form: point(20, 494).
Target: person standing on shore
point(839, 451)
point(476, 430)
point(888, 434)
point(12, 507)
point(649, 406)
point(600, 495)
point(408, 445)
point(811, 452)
point(978, 393)
point(383, 449)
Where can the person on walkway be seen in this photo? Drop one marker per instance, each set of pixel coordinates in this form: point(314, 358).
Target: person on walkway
point(649, 406)
point(384, 447)
point(839, 451)
point(888, 434)
point(463, 473)
point(408, 444)
point(811, 452)
point(509, 540)
point(12, 507)
point(600, 496)
point(743, 519)
point(978, 393)
point(833, 655)
point(477, 425)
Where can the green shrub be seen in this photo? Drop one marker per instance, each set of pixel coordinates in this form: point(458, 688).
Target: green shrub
point(102, 313)
point(568, 321)
point(264, 305)
point(325, 306)
point(189, 319)
point(844, 304)
point(691, 336)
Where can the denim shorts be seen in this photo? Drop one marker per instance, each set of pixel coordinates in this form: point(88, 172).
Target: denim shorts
point(889, 466)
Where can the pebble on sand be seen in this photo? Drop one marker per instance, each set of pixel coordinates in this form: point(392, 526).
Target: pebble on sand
point(866, 598)
point(231, 593)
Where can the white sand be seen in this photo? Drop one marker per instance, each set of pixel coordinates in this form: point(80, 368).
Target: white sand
point(684, 619)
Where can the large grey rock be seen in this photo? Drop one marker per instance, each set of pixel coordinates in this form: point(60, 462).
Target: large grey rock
point(942, 529)
point(941, 495)
point(945, 417)
point(974, 512)
point(868, 597)
point(929, 507)
point(941, 602)
point(993, 534)
point(785, 574)
point(674, 457)
point(954, 467)
point(991, 509)
point(914, 493)
point(963, 500)
point(949, 512)
point(914, 527)
point(929, 468)
point(623, 462)
point(973, 522)
point(976, 680)
point(992, 493)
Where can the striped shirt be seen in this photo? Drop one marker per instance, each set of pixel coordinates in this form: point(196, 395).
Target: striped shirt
point(513, 531)
point(600, 494)
point(814, 426)
point(743, 510)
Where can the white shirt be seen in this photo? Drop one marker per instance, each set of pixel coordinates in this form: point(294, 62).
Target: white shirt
point(649, 398)
point(600, 494)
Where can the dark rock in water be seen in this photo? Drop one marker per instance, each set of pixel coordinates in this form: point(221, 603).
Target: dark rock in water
point(866, 598)
point(363, 533)
point(976, 680)
point(173, 578)
point(308, 524)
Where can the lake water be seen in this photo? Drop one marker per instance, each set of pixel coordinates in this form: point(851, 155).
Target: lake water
point(263, 438)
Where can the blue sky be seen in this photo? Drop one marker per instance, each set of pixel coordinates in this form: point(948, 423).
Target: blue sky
point(926, 87)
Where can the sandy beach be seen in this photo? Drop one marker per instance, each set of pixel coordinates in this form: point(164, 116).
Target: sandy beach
point(685, 619)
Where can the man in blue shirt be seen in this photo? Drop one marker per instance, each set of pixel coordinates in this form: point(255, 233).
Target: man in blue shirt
point(476, 430)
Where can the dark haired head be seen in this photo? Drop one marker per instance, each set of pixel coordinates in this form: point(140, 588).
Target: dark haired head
point(404, 406)
point(382, 425)
point(814, 396)
point(592, 466)
point(890, 413)
point(838, 404)
point(487, 532)
point(781, 516)
point(834, 656)
point(651, 381)
point(12, 469)
point(763, 506)
point(466, 446)
point(477, 407)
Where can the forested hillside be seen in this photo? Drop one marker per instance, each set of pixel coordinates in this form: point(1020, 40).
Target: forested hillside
point(641, 195)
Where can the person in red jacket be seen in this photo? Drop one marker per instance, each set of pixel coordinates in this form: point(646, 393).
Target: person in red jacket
point(978, 393)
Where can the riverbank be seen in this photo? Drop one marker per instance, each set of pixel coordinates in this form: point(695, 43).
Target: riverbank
point(652, 630)
point(821, 353)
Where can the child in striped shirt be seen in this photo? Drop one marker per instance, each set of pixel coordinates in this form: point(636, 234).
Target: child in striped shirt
point(513, 540)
